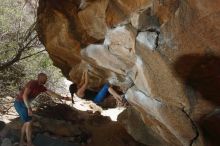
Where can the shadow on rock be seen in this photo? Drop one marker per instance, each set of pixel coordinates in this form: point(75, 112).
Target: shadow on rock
point(201, 77)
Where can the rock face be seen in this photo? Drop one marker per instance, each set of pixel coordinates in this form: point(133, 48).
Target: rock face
point(135, 126)
point(163, 54)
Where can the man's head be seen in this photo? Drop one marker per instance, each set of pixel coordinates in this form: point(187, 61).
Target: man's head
point(42, 78)
point(73, 88)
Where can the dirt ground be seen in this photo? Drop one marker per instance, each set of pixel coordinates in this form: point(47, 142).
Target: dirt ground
point(62, 121)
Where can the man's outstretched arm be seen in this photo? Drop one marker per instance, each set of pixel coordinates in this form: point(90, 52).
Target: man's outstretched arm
point(53, 94)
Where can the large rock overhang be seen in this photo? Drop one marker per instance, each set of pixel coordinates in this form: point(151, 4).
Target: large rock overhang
point(161, 53)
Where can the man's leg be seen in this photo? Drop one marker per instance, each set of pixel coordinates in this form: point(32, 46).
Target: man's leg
point(29, 133)
point(21, 110)
point(115, 94)
point(23, 113)
point(23, 129)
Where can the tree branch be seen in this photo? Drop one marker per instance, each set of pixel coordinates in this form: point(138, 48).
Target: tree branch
point(28, 41)
point(31, 55)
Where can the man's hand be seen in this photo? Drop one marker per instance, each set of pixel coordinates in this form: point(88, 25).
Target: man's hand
point(30, 113)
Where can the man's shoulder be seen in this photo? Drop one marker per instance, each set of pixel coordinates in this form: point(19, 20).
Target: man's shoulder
point(31, 83)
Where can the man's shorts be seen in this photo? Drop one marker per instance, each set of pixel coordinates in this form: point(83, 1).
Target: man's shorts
point(22, 111)
point(101, 94)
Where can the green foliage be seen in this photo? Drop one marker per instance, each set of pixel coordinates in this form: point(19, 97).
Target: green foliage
point(10, 80)
point(15, 20)
point(13, 24)
point(16, 76)
point(12, 16)
point(42, 63)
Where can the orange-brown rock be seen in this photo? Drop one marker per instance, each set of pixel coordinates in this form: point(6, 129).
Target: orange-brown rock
point(163, 54)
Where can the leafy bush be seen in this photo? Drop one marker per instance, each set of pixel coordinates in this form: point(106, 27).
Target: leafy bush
point(20, 48)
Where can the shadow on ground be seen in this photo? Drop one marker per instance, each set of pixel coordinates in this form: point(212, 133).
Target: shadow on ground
point(63, 125)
